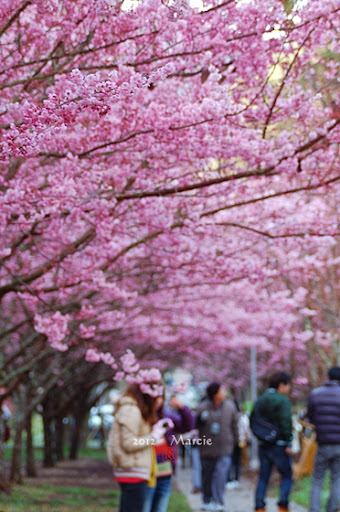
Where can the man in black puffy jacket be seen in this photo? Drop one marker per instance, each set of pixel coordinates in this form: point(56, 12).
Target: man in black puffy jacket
point(324, 412)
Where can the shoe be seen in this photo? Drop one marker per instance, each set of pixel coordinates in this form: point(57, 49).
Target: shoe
point(219, 508)
point(196, 490)
point(208, 506)
point(234, 484)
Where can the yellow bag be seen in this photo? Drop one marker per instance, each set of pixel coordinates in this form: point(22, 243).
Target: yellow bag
point(305, 464)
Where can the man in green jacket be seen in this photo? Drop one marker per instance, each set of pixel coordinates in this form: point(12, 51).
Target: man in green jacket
point(274, 406)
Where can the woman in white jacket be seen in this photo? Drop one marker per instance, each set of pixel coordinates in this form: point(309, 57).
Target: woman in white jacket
point(130, 444)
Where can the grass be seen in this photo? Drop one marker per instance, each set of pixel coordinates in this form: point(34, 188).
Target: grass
point(58, 499)
point(178, 503)
point(301, 491)
point(91, 452)
point(49, 498)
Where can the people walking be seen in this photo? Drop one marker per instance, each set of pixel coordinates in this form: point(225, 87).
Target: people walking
point(275, 408)
point(324, 413)
point(157, 496)
point(217, 425)
point(130, 445)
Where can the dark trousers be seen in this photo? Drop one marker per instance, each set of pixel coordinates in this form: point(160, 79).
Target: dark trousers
point(132, 497)
point(234, 473)
point(272, 455)
point(214, 476)
point(327, 457)
point(208, 467)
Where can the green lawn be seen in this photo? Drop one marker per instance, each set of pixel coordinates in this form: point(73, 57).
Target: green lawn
point(48, 498)
point(88, 452)
point(301, 491)
point(68, 499)
point(58, 499)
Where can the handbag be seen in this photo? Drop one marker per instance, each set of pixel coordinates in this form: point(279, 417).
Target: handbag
point(263, 429)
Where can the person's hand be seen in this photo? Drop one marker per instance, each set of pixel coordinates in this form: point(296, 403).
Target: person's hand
point(157, 434)
point(166, 423)
point(242, 444)
point(289, 450)
point(158, 431)
point(159, 428)
point(175, 403)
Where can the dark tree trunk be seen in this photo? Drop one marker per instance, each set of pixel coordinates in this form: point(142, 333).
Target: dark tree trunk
point(16, 463)
point(80, 411)
point(76, 435)
point(48, 441)
point(59, 438)
point(4, 484)
point(30, 462)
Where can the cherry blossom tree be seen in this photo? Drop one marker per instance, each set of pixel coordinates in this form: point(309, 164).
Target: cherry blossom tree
point(169, 182)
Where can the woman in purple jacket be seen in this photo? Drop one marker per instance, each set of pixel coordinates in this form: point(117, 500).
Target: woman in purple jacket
point(157, 498)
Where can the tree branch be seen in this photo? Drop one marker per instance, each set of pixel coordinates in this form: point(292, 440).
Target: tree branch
point(18, 281)
point(13, 18)
point(270, 196)
point(269, 235)
point(276, 97)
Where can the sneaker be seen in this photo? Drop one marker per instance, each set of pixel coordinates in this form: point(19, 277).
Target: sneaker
point(236, 484)
point(231, 485)
point(219, 508)
point(208, 506)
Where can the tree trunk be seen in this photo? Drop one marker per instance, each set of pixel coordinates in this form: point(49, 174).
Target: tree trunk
point(30, 462)
point(4, 484)
point(16, 463)
point(75, 436)
point(48, 441)
point(59, 438)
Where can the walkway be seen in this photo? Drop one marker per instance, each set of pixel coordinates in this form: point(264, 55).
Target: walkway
point(236, 500)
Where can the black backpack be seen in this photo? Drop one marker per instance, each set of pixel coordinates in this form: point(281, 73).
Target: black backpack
point(263, 429)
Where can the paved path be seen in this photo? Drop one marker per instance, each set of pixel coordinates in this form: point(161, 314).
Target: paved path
point(236, 500)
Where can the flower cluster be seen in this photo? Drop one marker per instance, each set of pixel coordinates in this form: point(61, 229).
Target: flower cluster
point(149, 380)
point(55, 327)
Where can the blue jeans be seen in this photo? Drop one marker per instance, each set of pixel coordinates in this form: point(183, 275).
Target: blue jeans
point(273, 455)
point(327, 457)
point(196, 467)
point(157, 498)
point(132, 497)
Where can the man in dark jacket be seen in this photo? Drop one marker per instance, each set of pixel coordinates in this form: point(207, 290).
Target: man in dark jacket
point(217, 425)
point(324, 412)
point(274, 406)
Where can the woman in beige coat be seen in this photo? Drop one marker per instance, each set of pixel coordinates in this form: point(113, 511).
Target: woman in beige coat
point(130, 446)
